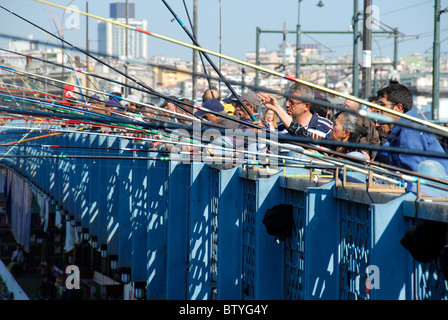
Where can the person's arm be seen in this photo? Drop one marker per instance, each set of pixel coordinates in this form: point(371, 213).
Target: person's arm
point(294, 128)
point(272, 104)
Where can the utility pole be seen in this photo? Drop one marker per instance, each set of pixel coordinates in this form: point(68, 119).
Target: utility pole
point(298, 44)
point(87, 46)
point(195, 53)
point(367, 48)
point(355, 81)
point(436, 62)
point(126, 89)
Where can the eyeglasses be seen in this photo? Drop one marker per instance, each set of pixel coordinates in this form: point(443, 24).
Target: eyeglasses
point(292, 102)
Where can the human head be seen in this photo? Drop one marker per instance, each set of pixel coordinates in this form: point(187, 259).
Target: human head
point(94, 99)
point(346, 127)
point(187, 105)
point(168, 104)
point(320, 106)
point(134, 101)
point(212, 105)
point(350, 104)
point(212, 93)
point(295, 107)
point(396, 97)
point(252, 102)
point(269, 115)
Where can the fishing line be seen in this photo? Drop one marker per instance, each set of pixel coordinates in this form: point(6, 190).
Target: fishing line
point(211, 63)
point(371, 115)
point(129, 100)
point(285, 76)
point(89, 55)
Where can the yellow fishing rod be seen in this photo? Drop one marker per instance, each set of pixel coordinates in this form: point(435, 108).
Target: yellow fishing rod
point(285, 76)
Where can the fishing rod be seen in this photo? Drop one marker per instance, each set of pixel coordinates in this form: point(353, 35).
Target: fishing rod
point(287, 138)
point(374, 147)
point(175, 114)
point(89, 55)
point(285, 76)
point(191, 36)
point(12, 147)
point(97, 91)
point(379, 174)
point(200, 56)
point(111, 119)
point(397, 151)
point(154, 107)
point(233, 161)
point(110, 80)
point(324, 158)
point(370, 163)
point(371, 115)
point(287, 146)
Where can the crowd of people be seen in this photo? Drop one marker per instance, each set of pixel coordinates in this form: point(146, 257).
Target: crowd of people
point(302, 115)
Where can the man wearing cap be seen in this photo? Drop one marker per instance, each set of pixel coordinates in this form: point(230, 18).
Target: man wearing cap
point(213, 105)
point(252, 102)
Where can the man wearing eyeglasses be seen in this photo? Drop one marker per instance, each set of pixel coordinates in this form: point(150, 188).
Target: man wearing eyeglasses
point(399, 98)
point(298, 119)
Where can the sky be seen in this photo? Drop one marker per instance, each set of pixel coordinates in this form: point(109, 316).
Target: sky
point(229, 26)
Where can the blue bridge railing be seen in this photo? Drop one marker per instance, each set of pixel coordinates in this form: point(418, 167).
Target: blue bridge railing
point(195, 231)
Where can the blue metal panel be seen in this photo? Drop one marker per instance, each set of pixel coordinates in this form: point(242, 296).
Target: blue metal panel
point(214, 239)
point(199, 279)
point(268, 253)
point(103, 177)
point(66, 174)
point(77, 185)
point(84, 196)
point(249, 216)
point(355, 247)
point(230, 236)
point(139, 188)
point(206, 240)
point(321, 244)
point(155, 212)
point(70, 199)
point(96, 188)
point(111, 193)
point(394, 263)
point(429, 283)
point(177, 231)
point(294, 262)
point(120, 174)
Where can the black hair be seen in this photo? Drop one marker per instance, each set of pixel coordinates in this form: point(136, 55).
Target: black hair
point(396, 93)
point(318, 108)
